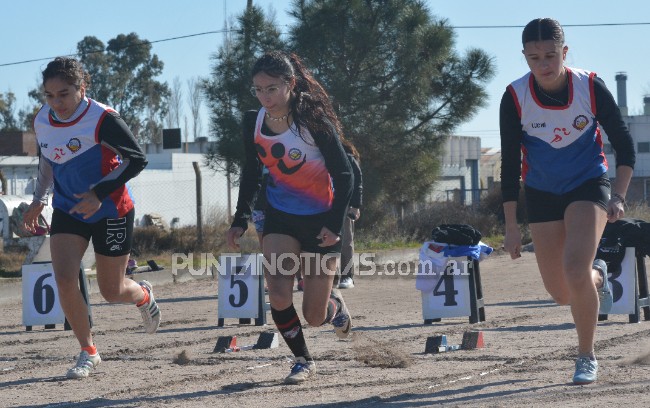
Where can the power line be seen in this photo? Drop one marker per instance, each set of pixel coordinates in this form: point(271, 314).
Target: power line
point(563, 25)
point(230, 30)
point(128, 46)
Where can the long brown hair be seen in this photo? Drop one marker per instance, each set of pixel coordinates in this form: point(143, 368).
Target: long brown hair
point(310, 105)
point(349, 148)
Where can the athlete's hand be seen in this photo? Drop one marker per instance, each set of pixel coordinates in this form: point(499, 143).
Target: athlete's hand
point(615, 209)
point(512, 242)
point(88, 205)
point(328, 237)
point(232, 237)
point(354, 213)
point(30, 217)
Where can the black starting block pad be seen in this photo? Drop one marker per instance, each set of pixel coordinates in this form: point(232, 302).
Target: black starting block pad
point(438, 344)
point(228, 344)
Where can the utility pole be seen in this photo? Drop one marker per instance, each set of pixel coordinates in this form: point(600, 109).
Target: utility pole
point(199, 203)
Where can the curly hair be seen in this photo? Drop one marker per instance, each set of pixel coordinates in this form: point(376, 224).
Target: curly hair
point(310, 105)
point(69, 70)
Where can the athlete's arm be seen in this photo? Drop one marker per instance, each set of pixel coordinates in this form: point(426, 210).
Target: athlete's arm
point(338, 166)
point(43, 181)
point(251, 174)
point(511, 133)
point(609, 116)
point(115, 135)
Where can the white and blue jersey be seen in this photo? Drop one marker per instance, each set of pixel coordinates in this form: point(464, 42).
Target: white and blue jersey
point(562, 145)
point(93, 151)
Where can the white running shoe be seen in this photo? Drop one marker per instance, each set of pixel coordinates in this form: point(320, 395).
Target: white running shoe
point(85, 364)
point(346, 283)
point(150, 311)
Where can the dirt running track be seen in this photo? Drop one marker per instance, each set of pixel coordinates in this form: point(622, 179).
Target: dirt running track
point(528, 359)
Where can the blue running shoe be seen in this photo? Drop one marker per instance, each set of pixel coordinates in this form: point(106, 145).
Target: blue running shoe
point(301, 370)
point(605, 291)
point(341, 321)
point(586, 371)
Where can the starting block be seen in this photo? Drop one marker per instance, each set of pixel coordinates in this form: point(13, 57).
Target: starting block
point(628, 279)
point(241, 289)
point(228, 344)
point(438, 344)
point(455, 292)
point(41, 304)
point(472, 340)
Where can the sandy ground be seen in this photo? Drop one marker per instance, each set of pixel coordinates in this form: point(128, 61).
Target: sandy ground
point(528, 359)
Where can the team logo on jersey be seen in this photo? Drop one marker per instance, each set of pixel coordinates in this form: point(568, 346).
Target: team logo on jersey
point(559, 133)
point(295, 154)
point(74, 145)
point(277, 151)
point(580, 122)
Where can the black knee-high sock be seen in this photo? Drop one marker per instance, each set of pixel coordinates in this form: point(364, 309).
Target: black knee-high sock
point(288, 323)
point(333, 305)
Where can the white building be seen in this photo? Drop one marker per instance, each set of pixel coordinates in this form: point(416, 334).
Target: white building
point(459, 179)
point(167, 186)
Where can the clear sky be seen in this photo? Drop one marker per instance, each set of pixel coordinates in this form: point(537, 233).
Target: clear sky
point(38, 29)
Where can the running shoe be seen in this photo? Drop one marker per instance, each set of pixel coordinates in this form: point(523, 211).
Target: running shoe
point(341, 321)
point(149, 311)
point(586, 371)
point(346, 283)
point(85, 364)
point(301, 370)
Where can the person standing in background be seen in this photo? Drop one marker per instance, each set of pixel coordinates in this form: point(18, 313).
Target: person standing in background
point(354, 212)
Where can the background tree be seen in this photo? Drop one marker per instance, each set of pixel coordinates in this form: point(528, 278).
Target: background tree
point(8, 112)
point(24, 119)
point(227, 89)
point(195, 100)
point(123, 76)
point(175, 104)
point(390, 67)
point(399, 86)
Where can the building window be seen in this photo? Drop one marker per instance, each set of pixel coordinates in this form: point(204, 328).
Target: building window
point(607, 148)
point(643, 147)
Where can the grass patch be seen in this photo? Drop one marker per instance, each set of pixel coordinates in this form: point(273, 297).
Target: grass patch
point(12, 259)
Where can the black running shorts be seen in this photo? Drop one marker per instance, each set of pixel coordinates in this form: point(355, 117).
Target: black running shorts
point(543, 206)
point(304, 228)
point(111, 236)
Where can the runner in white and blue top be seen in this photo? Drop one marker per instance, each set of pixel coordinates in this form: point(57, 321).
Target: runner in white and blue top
point(88, 153)
point(549, 153)
point(95, 150)
point(550, 121)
